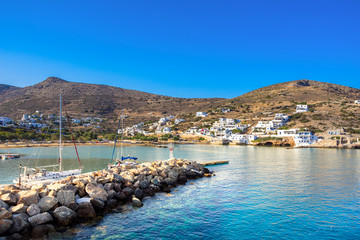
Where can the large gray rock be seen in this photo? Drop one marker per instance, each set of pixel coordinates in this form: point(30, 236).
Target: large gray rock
point(111, 194)
point(33, 209)
point(139, 193)
point(29, 197)
point(20, 223)
point(117, 187)
point(9, 198)
point(111, 203)
point(170, 181)
point(46, 203)
point(97, 203)
point(42, 230)
point(108, 186)
point(20, 208)
point(5, 214)
point(127, 191)
point(96, 192)
point(5, 225)
point(69, 187)
point(3, 204)
point(64, 215)
point(85, 210)
point(40, 218)
point(66, 197)
point(120, 196)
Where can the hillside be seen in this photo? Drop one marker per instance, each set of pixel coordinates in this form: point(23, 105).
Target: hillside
point(331, 105)
point(82, 100)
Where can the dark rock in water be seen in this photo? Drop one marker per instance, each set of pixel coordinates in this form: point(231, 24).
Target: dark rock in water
point(155, 188)
point(9, 198)
point(120, 196)
point(72, 206)
point(149, 192)
point(136, 202)
point(194, 174)
point(40, 218)
point(5, 214)
point(144, 184)
point(156, 182)
point(20, 223)
point(182, 179)
point(42, 230)
point(171, 182)
point(206, 170)
point(128, 191)
point(139, 193)
point(33, 209)
point(85, 210)
point(111, 203)
point(29, 198)
point(46, 203)
point(97, 203)
point(96, 192)
point(5, 225)
point(165, 189)
point(64, 215)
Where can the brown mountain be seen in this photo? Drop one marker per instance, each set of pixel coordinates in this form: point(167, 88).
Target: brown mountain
point(81, 99)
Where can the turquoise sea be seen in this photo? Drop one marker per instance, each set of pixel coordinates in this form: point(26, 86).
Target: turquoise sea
point(263, 193)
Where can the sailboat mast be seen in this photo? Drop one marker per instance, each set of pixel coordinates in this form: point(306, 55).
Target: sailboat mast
point(60, 126)
point(122, 131)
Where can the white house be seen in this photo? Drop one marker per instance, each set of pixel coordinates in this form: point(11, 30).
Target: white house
point(357, 101)
point(5, 120)
point(224, 110)
point(201, 114)
point(305, 138)
point(74, 120)
point(179, 120)
point(302, 108)
point(287, 132)
point(166, 130)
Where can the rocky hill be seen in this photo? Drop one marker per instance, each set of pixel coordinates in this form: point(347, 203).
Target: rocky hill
point(82, 100)
point(330, 105)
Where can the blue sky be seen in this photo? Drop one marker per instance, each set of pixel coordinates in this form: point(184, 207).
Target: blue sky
point(180, 48)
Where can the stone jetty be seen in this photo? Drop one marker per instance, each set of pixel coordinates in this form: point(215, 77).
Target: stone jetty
point(41, 209)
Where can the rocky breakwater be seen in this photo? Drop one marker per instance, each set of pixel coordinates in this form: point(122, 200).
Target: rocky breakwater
point(42, 209)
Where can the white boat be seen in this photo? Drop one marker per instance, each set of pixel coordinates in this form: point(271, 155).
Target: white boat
point(129, 160)
point(41, 174)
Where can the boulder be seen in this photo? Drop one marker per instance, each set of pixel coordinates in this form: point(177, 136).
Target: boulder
point(84, 199)
point(108, 186)
point(111, 194)
point(69, 187)
point(127, 191)
point(20, 208)
point(20, 223)
point(138, 193)
point(97, 203)
point(42, 230)
point(52, 193)
point(29, 197)
point(144, 184)
point(136, 202)
point(64, 215)
point(38, 187)
point(40, 218)
point(170, 182)
point(5, 214)
point(5, 225)
point(33, 209)
point(155, 187)
point(117, 187)
point(44, 193)
point(111, 203)
point(120, 196)
point(3, 205)
point(96, 192)
point(9, 198)
point(65, 197)
point(182, 179)
point(46, 203)
point(85, 210)
point(11, 188)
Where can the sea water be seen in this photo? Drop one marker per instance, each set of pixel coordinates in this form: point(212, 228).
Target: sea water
point(263, 193)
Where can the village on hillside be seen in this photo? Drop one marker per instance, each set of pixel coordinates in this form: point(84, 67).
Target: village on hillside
point(274, 130)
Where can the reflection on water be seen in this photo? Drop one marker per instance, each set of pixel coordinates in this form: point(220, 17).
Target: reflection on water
point(262, 193)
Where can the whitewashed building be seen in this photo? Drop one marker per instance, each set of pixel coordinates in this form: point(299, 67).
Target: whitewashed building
point(179, 120)
point(302, 108)
point(201, 114)
point(305, 138)
point(357, 101)
point(4, 121)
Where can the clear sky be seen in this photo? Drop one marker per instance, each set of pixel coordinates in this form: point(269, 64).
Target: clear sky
point(183, 48)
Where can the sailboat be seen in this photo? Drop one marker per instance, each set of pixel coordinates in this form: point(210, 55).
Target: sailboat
point(129, 160)
point(41, 174)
